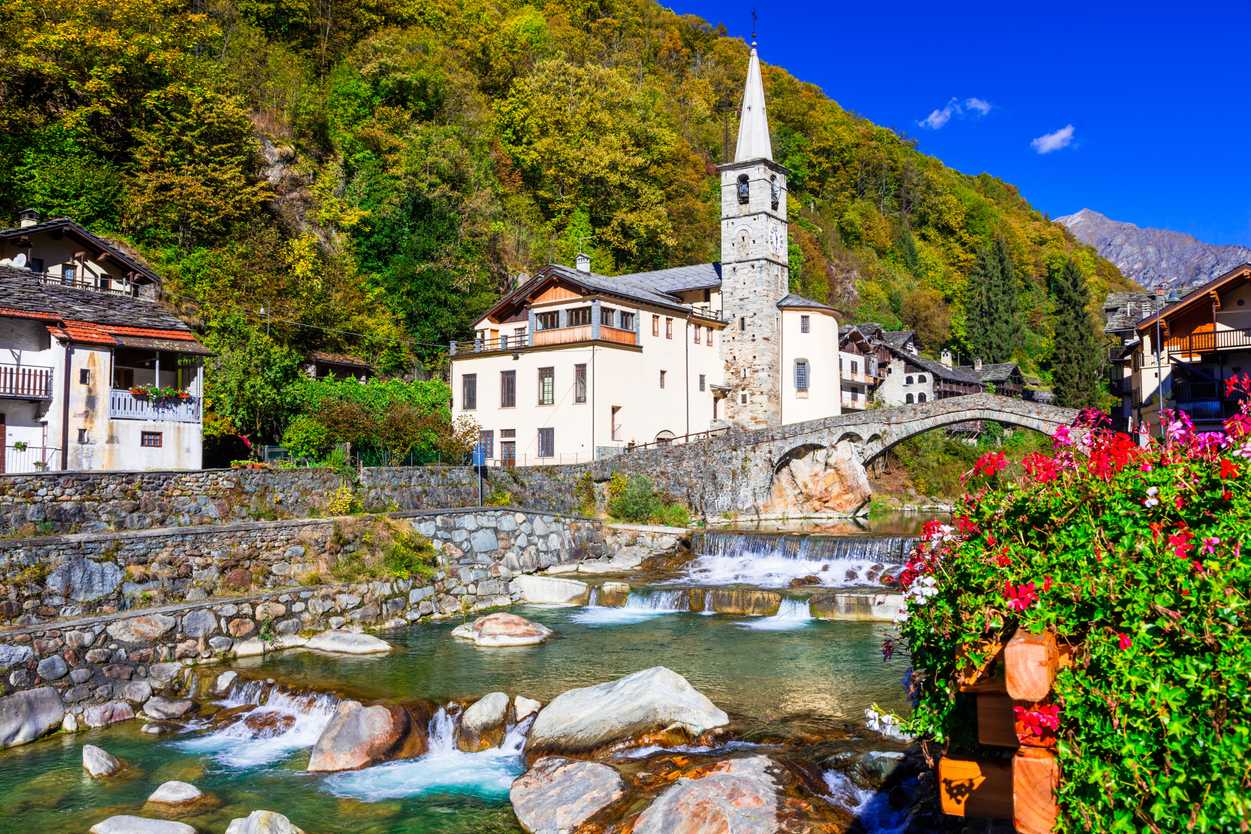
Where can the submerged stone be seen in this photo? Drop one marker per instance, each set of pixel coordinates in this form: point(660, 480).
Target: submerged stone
point(99, 762)
point(127, 824)
point(559, 794)
point(176, 793)
point(348, 642)
point(25, 716)
point(501, 630)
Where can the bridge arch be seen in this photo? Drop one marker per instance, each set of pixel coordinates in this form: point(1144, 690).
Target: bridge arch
point(890, 439)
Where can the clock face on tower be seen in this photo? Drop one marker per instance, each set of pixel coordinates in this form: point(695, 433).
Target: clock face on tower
point(777, 242)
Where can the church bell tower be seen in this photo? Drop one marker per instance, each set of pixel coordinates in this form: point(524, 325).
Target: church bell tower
point(754, 271)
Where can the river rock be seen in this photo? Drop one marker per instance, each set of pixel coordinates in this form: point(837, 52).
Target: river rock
point(126, 824)
point(166, 709)
point(524, 707)
point(502, 629)
point(738, 795)
point(224, 681)
point(145, 629)
point(745, 601)
point(557, 794)
point(52, 668)
point(613, 594)
point(176, 793)
point(25, 716)
point(856, 606)
point(348, 642)
point(98, 762)
point(826, 480)
point(358, 736)
point(69, 724)
point(102, 715)
point(591, 717)
point(263, 822)
point(550, 590)
point(482, 724)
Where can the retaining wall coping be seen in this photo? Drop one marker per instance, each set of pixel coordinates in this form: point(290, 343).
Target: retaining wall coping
point(95, 473)
point(649, 528)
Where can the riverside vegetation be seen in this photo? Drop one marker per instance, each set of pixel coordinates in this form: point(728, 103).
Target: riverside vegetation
point(367, 177)
point(1133, 556)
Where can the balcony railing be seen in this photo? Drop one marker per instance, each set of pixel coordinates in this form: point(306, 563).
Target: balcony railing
point(113, 288)
point(1214, 340)
point(545, 338)
point(124, 405)
point(21, 458)
point(25, 382)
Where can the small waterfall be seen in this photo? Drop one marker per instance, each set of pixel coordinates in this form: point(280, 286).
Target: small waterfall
point(243, 693)
point(653, 600)
point(639, 605)
point(592, 600)
point(792, 614)
point(441, 733)
point(775, 560)
point(285, 723)
point(708, 609)
point(872, 809)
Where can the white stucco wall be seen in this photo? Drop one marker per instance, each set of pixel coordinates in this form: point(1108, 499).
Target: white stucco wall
point(819, 346)
point(903, 380)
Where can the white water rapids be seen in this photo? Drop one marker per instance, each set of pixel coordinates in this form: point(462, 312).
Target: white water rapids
point(274, 730)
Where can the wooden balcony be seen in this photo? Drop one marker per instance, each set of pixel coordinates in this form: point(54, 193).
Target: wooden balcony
point(124, 405)
point(547, 338)
point(1197, 344)
point(25, 382)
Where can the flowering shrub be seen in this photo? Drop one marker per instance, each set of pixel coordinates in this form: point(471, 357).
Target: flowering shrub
point(1132, 554)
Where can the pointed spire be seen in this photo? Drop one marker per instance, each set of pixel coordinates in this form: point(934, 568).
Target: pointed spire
point(753, 122)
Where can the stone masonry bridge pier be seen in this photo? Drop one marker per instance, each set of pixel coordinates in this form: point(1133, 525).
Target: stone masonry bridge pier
point(734, 472)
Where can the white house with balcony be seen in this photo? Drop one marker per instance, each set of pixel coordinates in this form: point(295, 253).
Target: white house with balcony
point(572, 366)
point(94, 373)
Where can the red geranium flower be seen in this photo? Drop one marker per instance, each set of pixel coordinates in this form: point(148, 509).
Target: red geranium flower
point(1229, 469)
point(1021, 596)
point(1123, 641)
point(991, 463)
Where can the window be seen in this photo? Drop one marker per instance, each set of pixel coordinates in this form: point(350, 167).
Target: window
point(486, 439)
point(547, 443)
point(547, 386)
point(469, 392)
point(83, 439)
point(921, 378)
point(579, 383)
point(547, 321)
point(662, 379)
point(801, 375)
point(773, 193)
point(655, 325)
point(855, 368)
point(84, 376)
point(69, 274)
point(149, 439)
point(921, 398)
point(908, 399)
point(742, 398)
point(702, 382)
point(668, 328)
point(744, 189)
point(908, 381)
point(616, 422)
point(805, 324)
point(508, 389)
point(605, 315)
point(508, 452)
point(699, 334)
point(742, 322)
point(579, 316)
point(627, 321)
point(709, 339)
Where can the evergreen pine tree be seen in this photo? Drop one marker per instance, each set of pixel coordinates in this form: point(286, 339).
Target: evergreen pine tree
point(992, 321)
point(1076, 360)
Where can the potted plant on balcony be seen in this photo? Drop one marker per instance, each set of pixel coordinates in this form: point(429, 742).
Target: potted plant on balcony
point(158, 394)
point(20, 446)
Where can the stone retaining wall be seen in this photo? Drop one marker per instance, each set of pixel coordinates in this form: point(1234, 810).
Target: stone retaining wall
point(57, 577)
point(102, 501)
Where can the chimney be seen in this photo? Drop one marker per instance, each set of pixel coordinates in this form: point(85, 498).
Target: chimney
point(945, 358)
point(28, 217)
point(583, 262)
point(977, 364)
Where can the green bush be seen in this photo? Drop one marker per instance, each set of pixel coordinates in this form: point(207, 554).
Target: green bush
point(307, 439)
point(1132, 555)
point(634, 499)
point(409, 555)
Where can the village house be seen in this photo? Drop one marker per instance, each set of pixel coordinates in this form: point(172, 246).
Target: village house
point(1186, 351)
point(573, 366)
point(1121, 313)
point(95, 374)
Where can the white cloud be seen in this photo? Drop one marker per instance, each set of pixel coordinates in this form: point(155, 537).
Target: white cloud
point(1054, 141)
point(974, 107)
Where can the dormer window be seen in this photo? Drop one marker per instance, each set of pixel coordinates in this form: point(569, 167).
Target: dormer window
point(744, 189)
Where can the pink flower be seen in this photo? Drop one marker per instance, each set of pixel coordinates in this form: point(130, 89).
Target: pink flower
point(1062, 437)
point(1021, 596)
point(1181, 543)
point(1210, 543)
point(1122, 640)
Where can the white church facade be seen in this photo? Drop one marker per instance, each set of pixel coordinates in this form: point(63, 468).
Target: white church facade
point(572, 366)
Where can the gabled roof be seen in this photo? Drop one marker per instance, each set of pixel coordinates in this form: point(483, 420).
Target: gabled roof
point(679, 278)
point(1238, 273)
point(994, 372)
point(938, 369)
point(67, 226)
point(24, 294)
point(798, 301)
point(1123, 310)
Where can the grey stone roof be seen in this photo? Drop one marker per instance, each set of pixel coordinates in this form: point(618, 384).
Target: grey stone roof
point(995, 372)
point(21, 290)
point(1122, 310)
point(621, 285)
point(797, 300)
point(64, 224)
point(679, 278)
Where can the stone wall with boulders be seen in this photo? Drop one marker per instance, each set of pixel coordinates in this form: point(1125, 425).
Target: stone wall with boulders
point(57, 577)
point(74, 502)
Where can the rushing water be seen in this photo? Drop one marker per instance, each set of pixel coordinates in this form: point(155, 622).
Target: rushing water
point(775, 560)
point(792, 614)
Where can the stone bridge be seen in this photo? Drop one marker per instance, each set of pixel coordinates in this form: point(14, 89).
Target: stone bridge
point(735, 472)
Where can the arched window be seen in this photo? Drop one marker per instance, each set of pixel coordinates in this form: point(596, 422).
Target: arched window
point(744, 189)
point(908, 381)
point(773, 192)
point(921, 378)
point(908, 399)
point(921, 398)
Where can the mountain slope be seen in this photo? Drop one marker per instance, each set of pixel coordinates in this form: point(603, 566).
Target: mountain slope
point(372, 173)
point(1154, 257)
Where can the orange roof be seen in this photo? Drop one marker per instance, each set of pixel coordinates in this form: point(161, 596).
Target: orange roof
point(9, 312)
point(149, 332)
point(87, 333)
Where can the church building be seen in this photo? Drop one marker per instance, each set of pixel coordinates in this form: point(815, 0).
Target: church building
point(572, 366)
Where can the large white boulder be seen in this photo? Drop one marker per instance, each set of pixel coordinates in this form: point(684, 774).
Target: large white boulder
point(502, 630)
point(482, 724)
point(358, 736)
point(99, 762)
point(348, 642)
point(263, 822)
point(654, 699)
point(176, 793)
point(25, 716)
point(558, 794)
point(738, 795)
point(126, 824)
point(524, 707)
point(551, 590)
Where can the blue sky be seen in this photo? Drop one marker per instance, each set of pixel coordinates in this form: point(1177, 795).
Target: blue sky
point(1147, 106)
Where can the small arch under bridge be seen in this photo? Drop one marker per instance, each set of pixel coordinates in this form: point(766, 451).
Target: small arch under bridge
point(733, 472)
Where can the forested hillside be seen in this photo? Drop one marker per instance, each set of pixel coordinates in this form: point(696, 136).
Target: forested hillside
point(366, 175)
